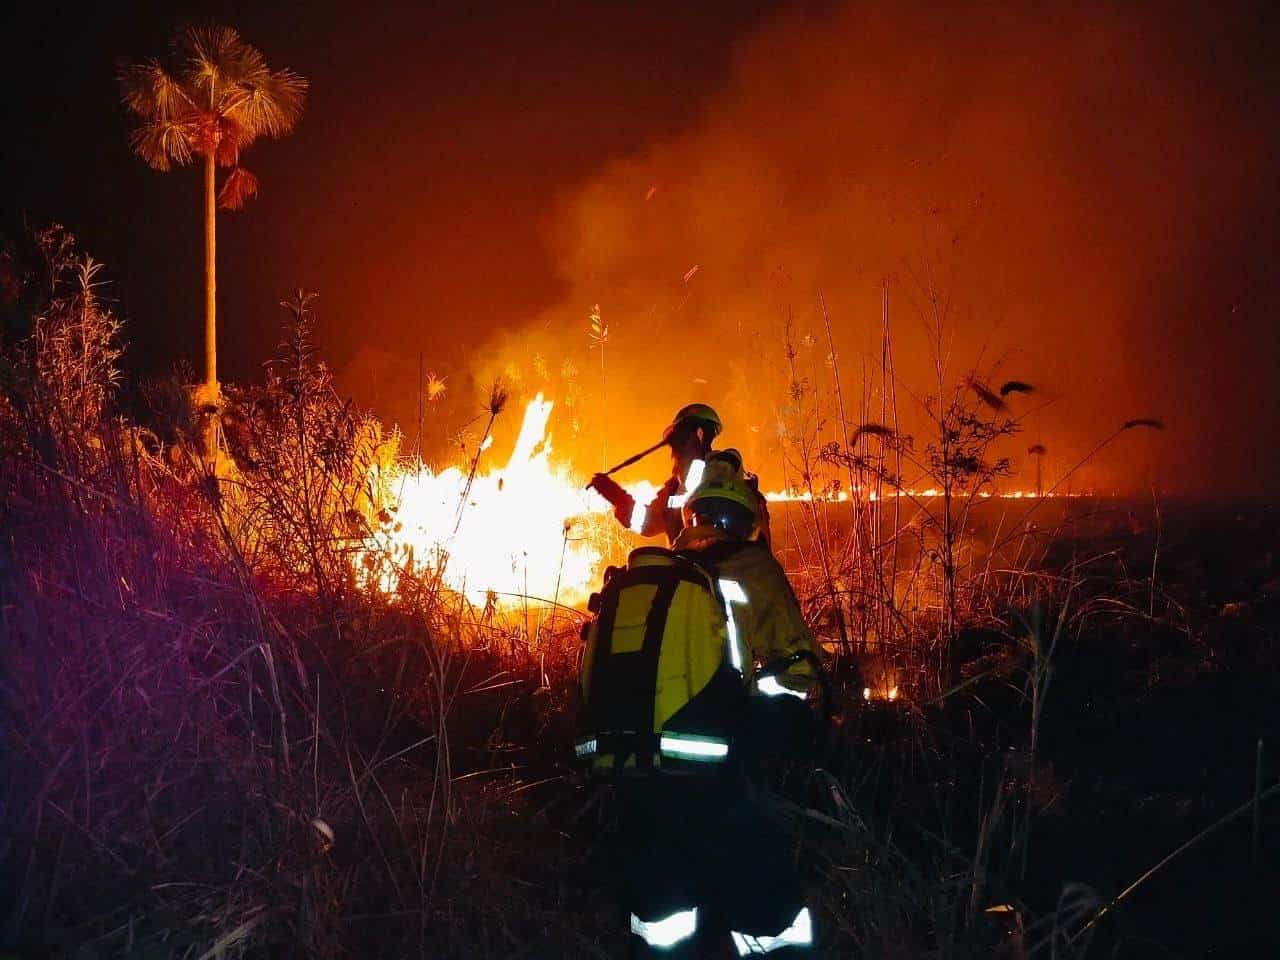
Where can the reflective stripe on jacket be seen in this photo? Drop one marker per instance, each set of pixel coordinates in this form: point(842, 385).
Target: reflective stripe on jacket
point(769, 621)
point(661, 517)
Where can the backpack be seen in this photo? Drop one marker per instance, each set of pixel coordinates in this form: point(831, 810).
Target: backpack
point(661, 671)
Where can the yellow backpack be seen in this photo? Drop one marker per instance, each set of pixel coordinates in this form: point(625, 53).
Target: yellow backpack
point(661, 674)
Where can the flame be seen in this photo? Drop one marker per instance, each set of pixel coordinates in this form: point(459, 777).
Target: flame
point(871, 694)
point(883, 687)
point(925, 493)
point(520, 532)
point(527, 529)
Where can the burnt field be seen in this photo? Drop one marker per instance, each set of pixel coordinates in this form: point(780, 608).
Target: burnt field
point(249, 705)
point(1156, 726)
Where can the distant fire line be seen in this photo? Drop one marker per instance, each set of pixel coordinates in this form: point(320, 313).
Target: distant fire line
point(930, 493)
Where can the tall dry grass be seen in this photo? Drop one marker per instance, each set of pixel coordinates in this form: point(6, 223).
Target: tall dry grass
point(213, 742)
point(217, 742)
point(917, 590)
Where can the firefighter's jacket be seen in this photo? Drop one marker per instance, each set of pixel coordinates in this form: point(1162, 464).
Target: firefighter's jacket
point(659, 516)
point(769, 620)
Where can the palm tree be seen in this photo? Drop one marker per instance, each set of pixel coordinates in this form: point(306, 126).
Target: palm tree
point(212, 97)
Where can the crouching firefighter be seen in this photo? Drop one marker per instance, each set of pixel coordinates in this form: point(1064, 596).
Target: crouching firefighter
point(677, 656)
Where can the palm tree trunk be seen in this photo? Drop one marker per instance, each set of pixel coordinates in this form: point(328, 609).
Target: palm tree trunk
point(210, 281)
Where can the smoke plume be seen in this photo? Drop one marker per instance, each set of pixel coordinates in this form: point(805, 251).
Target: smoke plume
point(1086, 198)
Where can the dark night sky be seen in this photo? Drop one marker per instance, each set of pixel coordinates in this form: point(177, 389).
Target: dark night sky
point(1098, 188)
point(434, 140)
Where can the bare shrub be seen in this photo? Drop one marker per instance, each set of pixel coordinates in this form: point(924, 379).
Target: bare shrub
point(211, 744)
point(62, 378)
point(298, 495)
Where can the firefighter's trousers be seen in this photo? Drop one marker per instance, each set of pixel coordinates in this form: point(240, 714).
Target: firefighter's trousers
point(706, 871)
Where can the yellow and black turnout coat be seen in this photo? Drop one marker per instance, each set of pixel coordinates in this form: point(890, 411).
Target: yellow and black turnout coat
point(767, 615)
point(661, 676)
point(671, 654)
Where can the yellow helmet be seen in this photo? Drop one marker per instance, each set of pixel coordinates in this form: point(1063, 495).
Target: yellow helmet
point(723, 499)
point(696, 414)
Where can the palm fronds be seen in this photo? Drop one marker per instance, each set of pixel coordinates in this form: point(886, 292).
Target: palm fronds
point(213, 55)
point(149, 90)
point(271, 102)
point(216, 95)
point(162, 144)
point(239, 187)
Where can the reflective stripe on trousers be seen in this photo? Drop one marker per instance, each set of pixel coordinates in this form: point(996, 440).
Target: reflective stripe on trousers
point(668, 931)
point(799, 934)
point(770, 687)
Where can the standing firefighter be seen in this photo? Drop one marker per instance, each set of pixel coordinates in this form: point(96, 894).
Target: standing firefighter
point(689, 435)
point(690, 654)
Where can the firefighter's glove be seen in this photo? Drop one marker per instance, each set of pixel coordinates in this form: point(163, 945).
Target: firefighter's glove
point(623, 503)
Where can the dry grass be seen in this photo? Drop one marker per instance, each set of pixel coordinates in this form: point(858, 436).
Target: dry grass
point(915, 591)
point(214, 744)
point(217, 744)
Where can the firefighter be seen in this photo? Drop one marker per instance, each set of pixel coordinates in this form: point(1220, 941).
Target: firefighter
point(721, 530)
point(689, 435)
point(722, 526)
point(672, 699)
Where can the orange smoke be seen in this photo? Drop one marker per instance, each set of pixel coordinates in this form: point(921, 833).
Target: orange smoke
point(1044, 173)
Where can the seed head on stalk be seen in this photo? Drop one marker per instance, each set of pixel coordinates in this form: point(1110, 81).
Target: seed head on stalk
point(498, 396)
point(599, 337)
